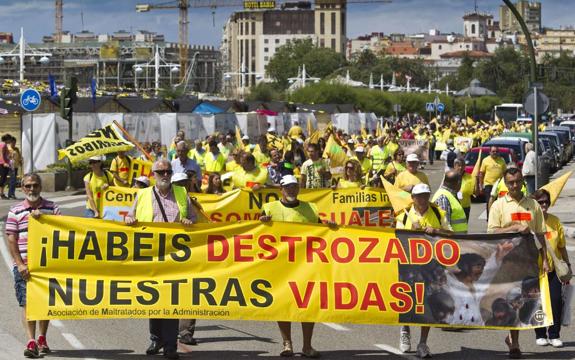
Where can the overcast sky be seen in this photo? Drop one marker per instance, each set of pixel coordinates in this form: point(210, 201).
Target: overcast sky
point(107, 16)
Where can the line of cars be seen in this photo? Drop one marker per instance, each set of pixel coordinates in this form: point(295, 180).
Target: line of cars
point(556, 148)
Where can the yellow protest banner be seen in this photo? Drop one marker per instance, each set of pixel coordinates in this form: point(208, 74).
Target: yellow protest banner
point(362, 207)
point(86, 268)
point(98, 142)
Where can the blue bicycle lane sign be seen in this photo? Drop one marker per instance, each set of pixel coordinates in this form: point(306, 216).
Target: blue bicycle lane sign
point(30, 99)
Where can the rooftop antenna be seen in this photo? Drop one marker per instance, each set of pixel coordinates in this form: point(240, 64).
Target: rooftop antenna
point(476, 6)
point(82, 17)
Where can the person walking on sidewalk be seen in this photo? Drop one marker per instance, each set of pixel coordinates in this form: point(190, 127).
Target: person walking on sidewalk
point(15, 164)
point(17, 233)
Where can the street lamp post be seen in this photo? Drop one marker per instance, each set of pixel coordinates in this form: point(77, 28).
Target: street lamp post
point(21, 51)
point(242, 76)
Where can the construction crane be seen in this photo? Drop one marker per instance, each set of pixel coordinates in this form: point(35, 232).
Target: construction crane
point(184, 5)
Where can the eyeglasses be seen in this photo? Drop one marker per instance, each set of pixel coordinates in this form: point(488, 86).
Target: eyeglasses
point(163, 172)
point(349, 167)
point(31, 186)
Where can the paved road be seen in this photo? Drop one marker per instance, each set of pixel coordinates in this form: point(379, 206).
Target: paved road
point(127, 338)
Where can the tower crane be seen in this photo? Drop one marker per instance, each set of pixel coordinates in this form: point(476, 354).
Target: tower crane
point(183, 23)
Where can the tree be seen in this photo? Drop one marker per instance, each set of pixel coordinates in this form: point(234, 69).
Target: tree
point(319, 62)
point(265, 92)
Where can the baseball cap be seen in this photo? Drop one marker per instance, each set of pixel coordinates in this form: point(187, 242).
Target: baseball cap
point(412, 158)
point(350, 141)
point(97, 158)
point(359, 149)
point(143, 180)
point(272, 129)
point(179, 177)
point(288, 180)
point(245, 137)
point(420, 189)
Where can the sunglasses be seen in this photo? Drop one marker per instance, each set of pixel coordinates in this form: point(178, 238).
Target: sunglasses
point(163, 172)
point(31, 186)
point(350, 167)
point(544, 202)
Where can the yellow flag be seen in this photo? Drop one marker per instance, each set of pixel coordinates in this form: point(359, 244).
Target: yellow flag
point(363, 132)
point(556, 186)
point(334, 152)
point(240, 144)
point(309, 126)
point(446, 135)
point(378, 130)
point(99, 142)
point(399, 198)
point(470, 121)
point(477, 166)
point(139, 168)
point(314, 137)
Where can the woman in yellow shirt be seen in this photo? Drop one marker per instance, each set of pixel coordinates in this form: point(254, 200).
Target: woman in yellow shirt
point(352, 176)
point(395, 167)
point(96, 181)
point(555, 242)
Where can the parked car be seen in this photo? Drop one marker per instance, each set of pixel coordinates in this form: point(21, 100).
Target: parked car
point(565, 136)
point(554, 150)
point(472, 156)
point(517, 144)
point(556, 140)
point(571, 125)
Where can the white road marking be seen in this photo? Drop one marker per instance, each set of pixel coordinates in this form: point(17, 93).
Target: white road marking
point(483, 215)
point(4, 248)
point(570, 248)
point(72, 205)
point(392, 350)
point(73, 340)
point(335, 326)
point(57, 323)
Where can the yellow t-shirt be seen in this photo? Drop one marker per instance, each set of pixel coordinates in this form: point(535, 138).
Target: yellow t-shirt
point(406, 180)
point(416, 221)
point(96, 183)
point(555, 237)
point(122, 168)
point(505, 212)
point(346, 184)
point(232, 166)
point(392, 167)
point(492, 169)
point(295, 132)
point(243, 179)
point(467, 189)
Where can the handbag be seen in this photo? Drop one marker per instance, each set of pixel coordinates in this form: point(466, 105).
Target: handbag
point(562, 270)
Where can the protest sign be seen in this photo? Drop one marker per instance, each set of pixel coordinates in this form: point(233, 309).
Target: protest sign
point(98, 142)
point(88, 268)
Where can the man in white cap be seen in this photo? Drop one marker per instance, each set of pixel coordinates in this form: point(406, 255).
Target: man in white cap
point(426, 216)
point(350, 147)
point(141, 182)
point(406, 180)
point(362, 159)
point(290, 209)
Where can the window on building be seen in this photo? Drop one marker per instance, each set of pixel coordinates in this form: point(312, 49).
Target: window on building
point(266, 58)
point(266, 41)
point(241, 28)
point(322, 23)
point(472, 29)
point(277, 41)
point(333, 23)
point(333, 44)
point(467, 46)
point(321, 43)
point(253, 27)
point(266, 49)
point(439, 47)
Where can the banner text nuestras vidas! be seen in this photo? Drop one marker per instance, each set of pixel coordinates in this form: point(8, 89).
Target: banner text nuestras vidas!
point(177, 247)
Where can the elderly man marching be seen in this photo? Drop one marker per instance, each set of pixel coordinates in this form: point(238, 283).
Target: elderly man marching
point(169, 203)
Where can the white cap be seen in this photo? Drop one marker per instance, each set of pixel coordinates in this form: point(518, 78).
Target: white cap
point(420, 188)
point(288, 180)
point(245, 137)
point(144, 180)
point(359, 149)
point(412, 158)
point(350, 141)
point(272, 129)
point(97, 158)
point(179, 177)
point(299, 141)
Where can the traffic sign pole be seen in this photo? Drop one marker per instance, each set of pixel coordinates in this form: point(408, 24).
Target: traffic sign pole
point(30, 100)
point(535, 137)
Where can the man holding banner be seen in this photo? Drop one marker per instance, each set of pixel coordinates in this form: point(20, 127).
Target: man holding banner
point(290, 209)
point(17, 234)
point(162, 203)
point(426, 216)
point(515, 213)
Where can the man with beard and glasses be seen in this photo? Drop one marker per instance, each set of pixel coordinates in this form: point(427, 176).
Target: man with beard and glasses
point(17, 234)
point(168, 203)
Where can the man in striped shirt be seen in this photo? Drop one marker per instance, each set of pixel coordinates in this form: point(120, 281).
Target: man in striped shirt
point(17, 233)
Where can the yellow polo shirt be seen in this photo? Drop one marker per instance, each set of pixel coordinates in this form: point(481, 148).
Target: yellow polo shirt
point(505, 212)
point(467, 189)
point(417, 221)
point(407, 180)
point(492, 169)
point(243, 179)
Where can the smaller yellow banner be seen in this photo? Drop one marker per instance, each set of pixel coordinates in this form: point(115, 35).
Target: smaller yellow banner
point(99, 142)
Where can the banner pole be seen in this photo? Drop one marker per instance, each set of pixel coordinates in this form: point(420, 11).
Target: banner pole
point(133, 141)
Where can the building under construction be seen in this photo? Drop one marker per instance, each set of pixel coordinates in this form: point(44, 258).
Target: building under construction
point(120, 62)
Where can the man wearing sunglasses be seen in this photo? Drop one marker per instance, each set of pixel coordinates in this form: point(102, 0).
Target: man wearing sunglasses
point(169, 203)
point(17, 234)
